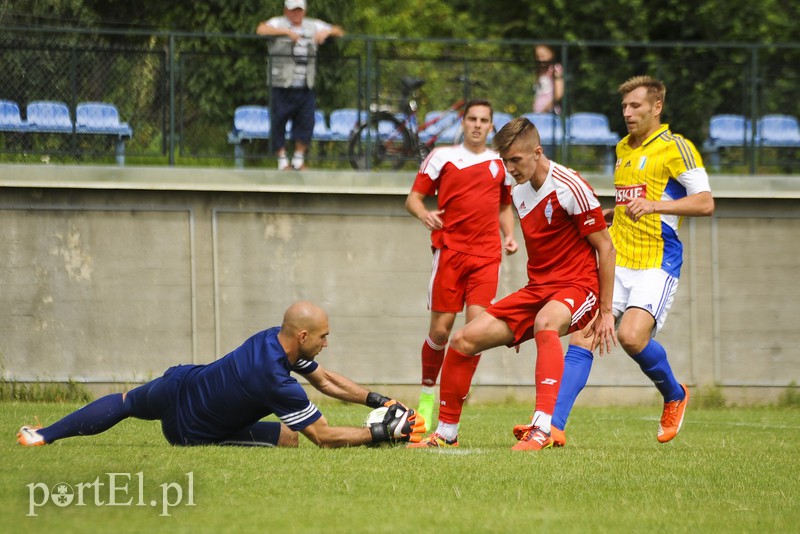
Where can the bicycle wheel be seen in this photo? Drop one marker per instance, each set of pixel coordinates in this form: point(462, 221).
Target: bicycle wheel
point(383, 142)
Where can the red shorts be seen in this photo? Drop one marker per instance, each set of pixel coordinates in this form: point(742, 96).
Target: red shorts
point(518, 310)
point(458, 278)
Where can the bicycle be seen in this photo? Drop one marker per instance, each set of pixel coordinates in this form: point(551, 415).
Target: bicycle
point(391, 140)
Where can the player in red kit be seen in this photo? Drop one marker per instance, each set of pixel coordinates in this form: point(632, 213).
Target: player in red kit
point(473, 195)
point(570, 282)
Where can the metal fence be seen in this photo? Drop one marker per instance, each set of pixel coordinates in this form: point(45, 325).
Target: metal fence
point(175, 94)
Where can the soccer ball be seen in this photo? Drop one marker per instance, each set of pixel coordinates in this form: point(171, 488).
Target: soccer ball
point(375, 416)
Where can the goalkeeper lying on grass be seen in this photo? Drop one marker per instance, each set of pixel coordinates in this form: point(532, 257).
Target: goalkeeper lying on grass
point(223, 402)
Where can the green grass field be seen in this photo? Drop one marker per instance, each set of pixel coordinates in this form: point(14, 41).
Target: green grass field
point(730, 470)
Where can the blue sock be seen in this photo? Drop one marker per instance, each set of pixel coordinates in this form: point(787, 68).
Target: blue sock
point(95, 417)
point(654, 364)
point(577, 365)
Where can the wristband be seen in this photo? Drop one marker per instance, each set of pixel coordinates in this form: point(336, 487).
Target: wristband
point(379, 432)
point(376, 400)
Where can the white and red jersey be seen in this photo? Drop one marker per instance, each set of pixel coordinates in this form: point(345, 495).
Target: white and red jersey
point(470, 189)
point(555, 221)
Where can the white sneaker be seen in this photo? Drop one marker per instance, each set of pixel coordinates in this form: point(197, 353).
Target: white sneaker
point(283, 163)
point(29, 437)
point(298, 162)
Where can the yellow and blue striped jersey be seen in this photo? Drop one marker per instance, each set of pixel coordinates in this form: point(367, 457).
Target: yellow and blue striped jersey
point(653, 171)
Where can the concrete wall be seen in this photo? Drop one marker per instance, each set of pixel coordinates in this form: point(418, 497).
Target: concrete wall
point(110, 275)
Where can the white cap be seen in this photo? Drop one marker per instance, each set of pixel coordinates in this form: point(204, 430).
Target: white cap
point(295, 4)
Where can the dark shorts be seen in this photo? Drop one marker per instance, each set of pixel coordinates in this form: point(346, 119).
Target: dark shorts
point(293, 103)
point(159, 399)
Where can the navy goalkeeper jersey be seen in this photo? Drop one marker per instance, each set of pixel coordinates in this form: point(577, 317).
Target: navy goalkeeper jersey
point(253, 381)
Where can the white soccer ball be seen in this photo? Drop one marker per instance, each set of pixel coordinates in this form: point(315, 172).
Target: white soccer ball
point(375, 416)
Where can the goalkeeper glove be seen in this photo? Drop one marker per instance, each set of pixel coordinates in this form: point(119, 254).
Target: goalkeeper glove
point(376, 400)
point(399, 424)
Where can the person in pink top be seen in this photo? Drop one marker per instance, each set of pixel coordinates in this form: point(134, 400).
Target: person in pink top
point(548, 88)
point(473, 193)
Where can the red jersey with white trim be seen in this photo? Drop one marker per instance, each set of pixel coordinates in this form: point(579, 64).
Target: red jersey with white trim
point(555, 221)
point(470, 189)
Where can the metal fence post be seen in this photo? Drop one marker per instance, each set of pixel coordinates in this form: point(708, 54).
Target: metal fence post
point(372, 69)
point(755, 82)
point(171, 133)
point(73, 104)
point(561, 117)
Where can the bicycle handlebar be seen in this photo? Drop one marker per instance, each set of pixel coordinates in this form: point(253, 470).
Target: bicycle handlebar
point(466, 80)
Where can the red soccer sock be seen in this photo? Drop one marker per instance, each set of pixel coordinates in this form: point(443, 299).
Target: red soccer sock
point(457, 373)
point(432, 358)
point(549, 369)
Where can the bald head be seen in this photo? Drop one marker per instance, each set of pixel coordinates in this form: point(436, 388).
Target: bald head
point(303, 315)
point(304, 331)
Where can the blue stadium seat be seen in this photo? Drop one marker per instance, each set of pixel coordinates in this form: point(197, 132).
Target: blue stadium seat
point(590, 129)
point(447, 129)
point(778, 131)
point(321, 130)
point(424, 133)
point(10, 118)
point(343, 121)
point(386, 129)
point(49, 117)
point(250, 122)
point(726, 130)
point(593, 129)
point(99, 118)
point(500, 119)
point(549, 125)
point(452, 134)
point(253, 122)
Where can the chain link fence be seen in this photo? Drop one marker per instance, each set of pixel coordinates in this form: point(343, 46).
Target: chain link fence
point(170, 98)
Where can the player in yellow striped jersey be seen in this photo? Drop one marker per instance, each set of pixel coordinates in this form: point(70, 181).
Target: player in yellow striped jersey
point(659, 179)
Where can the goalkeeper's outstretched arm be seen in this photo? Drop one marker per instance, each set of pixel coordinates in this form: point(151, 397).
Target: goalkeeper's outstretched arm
point(400, 424)
point(328, 437)
point(342, 388)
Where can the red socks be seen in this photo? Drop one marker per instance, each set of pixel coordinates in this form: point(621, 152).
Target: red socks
point(549, 369)
point(458, 370)
point(432, 358)
point(457, 373)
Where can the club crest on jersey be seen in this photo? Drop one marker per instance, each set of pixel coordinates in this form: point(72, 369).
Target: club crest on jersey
point(548, 211)
point(642, 163)
point(626, 194)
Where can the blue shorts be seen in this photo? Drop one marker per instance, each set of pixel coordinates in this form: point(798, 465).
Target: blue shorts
point(296, 103)
point(159, 400)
